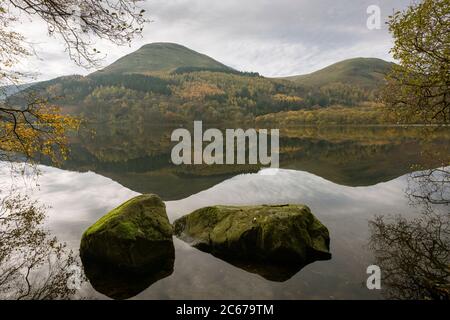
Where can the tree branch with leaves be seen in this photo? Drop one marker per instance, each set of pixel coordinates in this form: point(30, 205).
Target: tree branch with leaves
point(418, 88)
point(37, 127)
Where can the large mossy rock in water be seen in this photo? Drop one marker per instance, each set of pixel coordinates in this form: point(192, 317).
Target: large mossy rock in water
point(274, 241)
point(129, 247)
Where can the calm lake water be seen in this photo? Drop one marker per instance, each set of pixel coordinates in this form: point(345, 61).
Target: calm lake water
point(345, 175)
point(139, 158)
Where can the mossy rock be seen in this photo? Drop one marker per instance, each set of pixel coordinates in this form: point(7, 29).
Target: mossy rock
point(274, 241)
point(135, 237)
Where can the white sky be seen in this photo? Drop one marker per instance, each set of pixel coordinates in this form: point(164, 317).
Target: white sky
point(274, 38)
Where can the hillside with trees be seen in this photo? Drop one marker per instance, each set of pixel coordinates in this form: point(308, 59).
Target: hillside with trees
point(169, 83)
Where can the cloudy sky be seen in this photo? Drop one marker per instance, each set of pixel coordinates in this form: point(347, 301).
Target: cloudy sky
point(274, 38)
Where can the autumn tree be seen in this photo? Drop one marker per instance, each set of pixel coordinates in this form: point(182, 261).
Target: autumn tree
point(33, 264)
point(37, 127)
point(418, 88)
point(414, 254)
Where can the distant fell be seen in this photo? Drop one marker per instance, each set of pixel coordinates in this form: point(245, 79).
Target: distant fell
point(363, 72)
point(162, 57)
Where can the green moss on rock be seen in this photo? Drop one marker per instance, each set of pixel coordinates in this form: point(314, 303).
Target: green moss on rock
point(264, 235)
point(134, 237)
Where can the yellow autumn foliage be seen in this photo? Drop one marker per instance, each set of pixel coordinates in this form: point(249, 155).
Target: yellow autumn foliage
point(198, 90)
point(38, 130)
point(286, 98)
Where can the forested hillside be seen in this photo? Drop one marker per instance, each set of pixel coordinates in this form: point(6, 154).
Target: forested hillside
point(169, 83)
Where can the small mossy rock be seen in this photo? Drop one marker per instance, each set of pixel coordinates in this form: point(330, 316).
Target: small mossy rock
point(134, 237)
point(283, 235)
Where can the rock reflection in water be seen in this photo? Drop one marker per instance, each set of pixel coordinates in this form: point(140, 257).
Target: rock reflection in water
point(129, 248)
point(277, 272)
point(120, 284)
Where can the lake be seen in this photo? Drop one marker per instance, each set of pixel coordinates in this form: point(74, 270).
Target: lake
point(139, 158)
point(346, 175)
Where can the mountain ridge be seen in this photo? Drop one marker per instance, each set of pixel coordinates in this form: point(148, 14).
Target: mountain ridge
point(166, 82)
point(364, 72)
point(165, 57)
point(160, 57)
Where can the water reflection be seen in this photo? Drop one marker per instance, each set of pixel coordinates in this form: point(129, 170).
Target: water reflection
point(117, 283)
point(76, 203)
point(33, 263)
point(276, 272)
point(354, 156)
point(414, 254)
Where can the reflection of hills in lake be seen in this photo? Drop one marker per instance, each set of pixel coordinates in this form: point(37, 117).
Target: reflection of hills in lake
point(139, 158)
point(77, 200)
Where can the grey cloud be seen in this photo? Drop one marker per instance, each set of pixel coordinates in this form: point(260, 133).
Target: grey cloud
point(274, 38)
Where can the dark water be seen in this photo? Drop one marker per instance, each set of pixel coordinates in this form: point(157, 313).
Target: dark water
point(345, 175)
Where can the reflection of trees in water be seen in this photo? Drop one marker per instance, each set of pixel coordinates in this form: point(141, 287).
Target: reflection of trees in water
point(430, 187)
point(414, 255)
point(33, 265)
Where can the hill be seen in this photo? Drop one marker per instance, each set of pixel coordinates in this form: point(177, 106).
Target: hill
point(367, 73)
point(169, 83)
point(162, 57)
